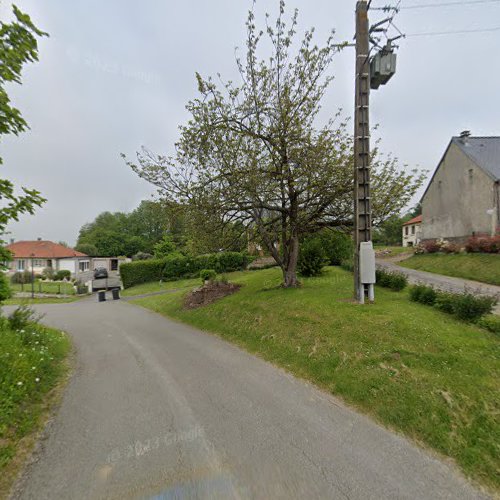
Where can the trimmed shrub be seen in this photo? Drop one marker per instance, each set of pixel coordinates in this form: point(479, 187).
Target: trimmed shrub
point(143, 271)
point(177, 266)
point(207, 275)
point(312, 258)
point(393, 280)
point(491, 323)
point(60, 275)
point(423, 294)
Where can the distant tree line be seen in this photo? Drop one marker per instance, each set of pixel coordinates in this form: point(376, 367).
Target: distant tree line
point(157, 229)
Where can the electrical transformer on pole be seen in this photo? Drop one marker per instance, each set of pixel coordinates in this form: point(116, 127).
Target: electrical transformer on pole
point(370, 73)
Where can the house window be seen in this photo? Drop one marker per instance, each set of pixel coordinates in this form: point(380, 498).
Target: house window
point(21, 265)
point(406, 230)
point(412, 229)
point(37, 263)
point(49, 263)
point(83, 265)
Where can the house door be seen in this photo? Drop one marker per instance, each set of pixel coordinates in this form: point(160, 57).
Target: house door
point(114, 265)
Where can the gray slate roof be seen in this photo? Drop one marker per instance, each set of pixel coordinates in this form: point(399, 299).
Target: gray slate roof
point(484, 151)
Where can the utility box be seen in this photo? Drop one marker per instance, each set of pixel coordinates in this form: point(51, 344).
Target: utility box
point(367, 263)
point(382, 68)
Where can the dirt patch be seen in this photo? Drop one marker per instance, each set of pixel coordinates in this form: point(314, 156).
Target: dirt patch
point(209, 293)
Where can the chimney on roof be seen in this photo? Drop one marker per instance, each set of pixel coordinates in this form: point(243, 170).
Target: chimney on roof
point(39, 239)
point(464, 136)
point(12, 240)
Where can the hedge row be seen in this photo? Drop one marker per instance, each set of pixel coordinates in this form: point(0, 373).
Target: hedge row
point(179, 266)
point(464, 306)
point(391, 279)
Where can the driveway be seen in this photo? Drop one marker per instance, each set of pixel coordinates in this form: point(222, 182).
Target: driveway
point(157, 409)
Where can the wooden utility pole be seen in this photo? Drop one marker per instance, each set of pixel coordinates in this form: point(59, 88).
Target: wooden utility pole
point(362, 204)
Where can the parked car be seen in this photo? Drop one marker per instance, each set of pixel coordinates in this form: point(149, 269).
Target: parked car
point(100, 272)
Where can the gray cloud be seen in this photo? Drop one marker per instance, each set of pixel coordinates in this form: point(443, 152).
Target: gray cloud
point(116, 75)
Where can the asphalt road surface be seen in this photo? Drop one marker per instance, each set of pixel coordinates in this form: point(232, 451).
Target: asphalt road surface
point(156, 409)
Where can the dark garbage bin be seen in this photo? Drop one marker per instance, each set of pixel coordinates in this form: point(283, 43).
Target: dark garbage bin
point(116, 293)
point(101, 296)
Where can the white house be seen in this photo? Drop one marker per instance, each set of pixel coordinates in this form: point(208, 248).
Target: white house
point(39, 255)
point(412, 232)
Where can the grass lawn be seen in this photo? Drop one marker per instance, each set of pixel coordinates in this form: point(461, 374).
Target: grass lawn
point(57, 287)
point(472, 266)
point(38, 300)
point(393, 250)
point(156, 286)
point(413, 368)
point(32, 365)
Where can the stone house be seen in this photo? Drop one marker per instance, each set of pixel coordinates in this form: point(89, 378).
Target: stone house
point(412, 232)
point(463, 196)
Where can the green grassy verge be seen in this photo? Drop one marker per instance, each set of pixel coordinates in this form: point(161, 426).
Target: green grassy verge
point(56, 287)
point(39, 300)
point(474, 266)
point(156, 286)
point(31, 367)
point(413, 368)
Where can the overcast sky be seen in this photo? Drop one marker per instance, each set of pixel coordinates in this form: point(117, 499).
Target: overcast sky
point(116, 74)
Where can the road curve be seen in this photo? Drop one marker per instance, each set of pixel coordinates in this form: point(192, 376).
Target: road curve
point(157, 409)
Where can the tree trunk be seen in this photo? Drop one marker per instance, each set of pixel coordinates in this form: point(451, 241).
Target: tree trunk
point(290, 265)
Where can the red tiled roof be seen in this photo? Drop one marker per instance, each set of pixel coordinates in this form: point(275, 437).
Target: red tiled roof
point(415, 220)
point(42, 250)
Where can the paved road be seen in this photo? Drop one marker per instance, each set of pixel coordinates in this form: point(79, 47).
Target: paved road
point(156, 409)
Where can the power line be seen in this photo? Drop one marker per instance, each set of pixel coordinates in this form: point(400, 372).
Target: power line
point(457, 32)
point(447, 4)
point(388, 8)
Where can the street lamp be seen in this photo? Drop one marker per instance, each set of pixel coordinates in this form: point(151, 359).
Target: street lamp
point(32, 277)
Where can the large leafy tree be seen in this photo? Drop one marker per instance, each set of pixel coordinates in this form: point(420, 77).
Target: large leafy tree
point(112, 234)
point(253, 153)
point(18, 46)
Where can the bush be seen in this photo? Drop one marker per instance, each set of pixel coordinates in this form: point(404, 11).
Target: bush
point(142, 256)
point(423, 294)
point(465, 306)
point(449, 248)
point(177, 266)
point(60, 275)
point(207, 275)
point(48, 273)
point(312, 258)
point(347, 265)
point(22, 317)
point(5, 291)
point(338, 246)
point(393, 280)
point(483, 244)
point(444, 302)
point(431, 246)
point(21, 277)
point(491, 323)
point(468, 307)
